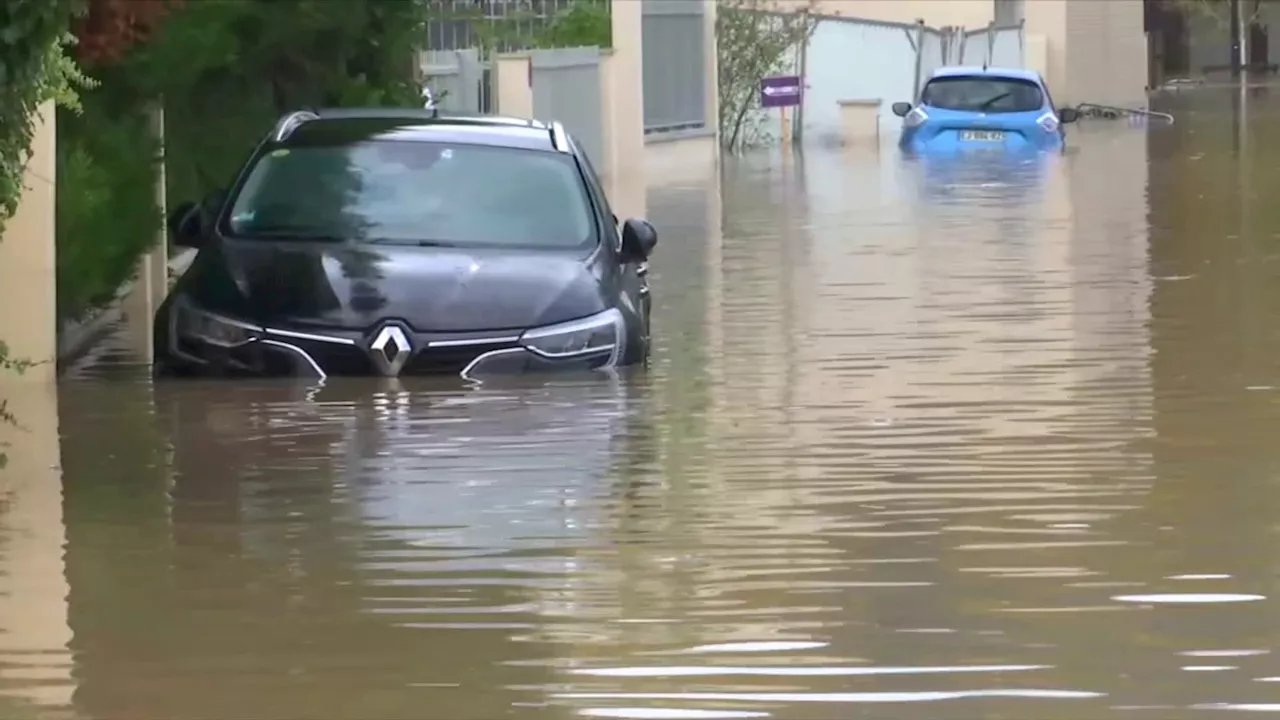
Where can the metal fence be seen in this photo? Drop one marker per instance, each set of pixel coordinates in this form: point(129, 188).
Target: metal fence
point(566, 87)
point(673, 35)
point(1002, 46)
point(501, 25)
point(857, 59)
point(849, 59)
point(460, 79)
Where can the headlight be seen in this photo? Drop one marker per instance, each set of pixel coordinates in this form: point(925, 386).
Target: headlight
point(1049, 122)
point(588, 336)
point(191, 323)
point(915, 118)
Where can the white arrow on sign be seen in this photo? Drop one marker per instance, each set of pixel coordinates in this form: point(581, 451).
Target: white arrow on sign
point(784, 90)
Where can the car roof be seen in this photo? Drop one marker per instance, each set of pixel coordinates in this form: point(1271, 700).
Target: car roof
point(342, 126)
point(996, 72)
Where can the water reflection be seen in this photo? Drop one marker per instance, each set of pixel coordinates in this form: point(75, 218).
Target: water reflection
point(919, 441)
point(35, 662)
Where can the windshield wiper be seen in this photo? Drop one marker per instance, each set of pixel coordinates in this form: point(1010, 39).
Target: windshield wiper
point(290, 232)
point(986, 105)
point(407, 242)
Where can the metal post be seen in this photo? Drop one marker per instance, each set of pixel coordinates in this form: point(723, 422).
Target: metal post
point(1022, 42)
point(915, 90)
point(797, 132)
point(1236, 45)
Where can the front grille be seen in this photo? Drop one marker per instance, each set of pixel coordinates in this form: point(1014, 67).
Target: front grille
point(335, 359)
point(449, 359)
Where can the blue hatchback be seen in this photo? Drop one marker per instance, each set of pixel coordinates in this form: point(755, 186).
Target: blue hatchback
point(979, 108)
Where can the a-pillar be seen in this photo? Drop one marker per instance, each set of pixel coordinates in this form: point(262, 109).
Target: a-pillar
point(28, 275)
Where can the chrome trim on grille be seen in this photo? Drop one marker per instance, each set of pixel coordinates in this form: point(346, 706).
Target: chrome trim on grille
point(466, 371)
point(309, 336)
point(315, 367)
point(474, 341)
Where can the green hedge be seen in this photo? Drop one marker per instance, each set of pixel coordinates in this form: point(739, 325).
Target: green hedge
point(227, 71)
point(107, 216)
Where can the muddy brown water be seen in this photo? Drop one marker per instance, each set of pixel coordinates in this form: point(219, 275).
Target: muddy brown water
point(920, 441)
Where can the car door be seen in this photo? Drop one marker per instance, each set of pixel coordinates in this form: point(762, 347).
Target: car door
point(633, 278)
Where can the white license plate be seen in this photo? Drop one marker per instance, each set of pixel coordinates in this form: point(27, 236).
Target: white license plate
point(982, 135)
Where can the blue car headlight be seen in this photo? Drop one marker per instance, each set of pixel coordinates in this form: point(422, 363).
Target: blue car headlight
point(194, 324)
point(601, 333)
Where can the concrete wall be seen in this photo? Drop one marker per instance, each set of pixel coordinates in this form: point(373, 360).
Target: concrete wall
point(28, 302)
point(966, 13)
point(1094, 51)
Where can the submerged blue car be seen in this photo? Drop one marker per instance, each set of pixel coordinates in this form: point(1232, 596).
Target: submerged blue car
point(992, 108)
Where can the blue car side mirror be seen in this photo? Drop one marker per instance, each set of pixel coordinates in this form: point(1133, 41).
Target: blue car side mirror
point(901, 108)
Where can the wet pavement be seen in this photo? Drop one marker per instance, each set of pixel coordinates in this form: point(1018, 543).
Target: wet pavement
point(921, 440)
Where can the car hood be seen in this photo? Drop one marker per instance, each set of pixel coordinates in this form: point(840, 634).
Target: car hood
point(330, 285)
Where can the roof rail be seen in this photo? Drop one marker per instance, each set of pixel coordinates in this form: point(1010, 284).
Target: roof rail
point(290, 122)
point(559, 138)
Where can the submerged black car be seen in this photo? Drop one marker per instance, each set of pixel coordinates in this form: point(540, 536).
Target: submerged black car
point(397, 242)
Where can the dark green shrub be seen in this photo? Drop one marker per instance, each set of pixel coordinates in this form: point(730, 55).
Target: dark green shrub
point(107, 216)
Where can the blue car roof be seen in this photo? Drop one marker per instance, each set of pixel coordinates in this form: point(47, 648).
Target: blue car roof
point(999, 72)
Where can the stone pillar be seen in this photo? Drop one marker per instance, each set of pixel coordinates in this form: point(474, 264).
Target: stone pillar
point(513, 84)
point(152, 280)
point(35, 659)
point(28, 275)
point(623, 71)
point(1046, 26)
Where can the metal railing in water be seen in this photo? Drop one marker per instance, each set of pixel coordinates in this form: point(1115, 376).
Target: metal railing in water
point(1113, 112)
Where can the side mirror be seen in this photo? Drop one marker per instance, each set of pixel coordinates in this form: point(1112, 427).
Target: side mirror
point(1068, 115)
point(638, 240)
point(901, 109)
point(184, 225)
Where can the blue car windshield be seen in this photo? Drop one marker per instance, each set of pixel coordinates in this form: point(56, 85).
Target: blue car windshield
point(415, 193)
point(982, 94)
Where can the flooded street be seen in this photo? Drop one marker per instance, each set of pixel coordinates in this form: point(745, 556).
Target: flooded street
point(921, 440)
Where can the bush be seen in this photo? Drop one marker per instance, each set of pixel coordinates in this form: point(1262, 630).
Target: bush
point(107, 216)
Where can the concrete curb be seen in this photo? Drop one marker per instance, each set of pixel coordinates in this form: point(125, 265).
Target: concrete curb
point(78, 337)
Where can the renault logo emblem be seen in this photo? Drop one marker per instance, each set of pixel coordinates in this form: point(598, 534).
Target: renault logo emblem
point(390, 350)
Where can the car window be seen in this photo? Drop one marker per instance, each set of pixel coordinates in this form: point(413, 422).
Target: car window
point(405, 192)
point(982, 94)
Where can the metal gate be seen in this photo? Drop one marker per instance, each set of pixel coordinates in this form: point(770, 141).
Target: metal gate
point(566, 87)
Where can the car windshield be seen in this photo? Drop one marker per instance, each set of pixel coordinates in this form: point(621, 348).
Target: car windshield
point(416, 193)
point(982, 94)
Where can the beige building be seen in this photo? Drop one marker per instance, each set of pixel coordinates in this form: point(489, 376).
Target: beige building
point(1088, 50)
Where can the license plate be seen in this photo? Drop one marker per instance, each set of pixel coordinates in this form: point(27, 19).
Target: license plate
point(982, 135)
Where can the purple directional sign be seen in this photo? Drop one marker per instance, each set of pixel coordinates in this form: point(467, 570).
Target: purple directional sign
point(780, 91)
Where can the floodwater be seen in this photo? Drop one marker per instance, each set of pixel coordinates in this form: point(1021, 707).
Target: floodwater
point(921, 440)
